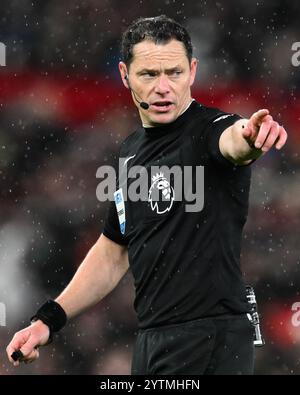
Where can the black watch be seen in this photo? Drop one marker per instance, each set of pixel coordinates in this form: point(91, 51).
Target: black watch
point(53, 315)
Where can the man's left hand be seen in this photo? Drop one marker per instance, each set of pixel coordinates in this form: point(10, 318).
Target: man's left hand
point(262, 132)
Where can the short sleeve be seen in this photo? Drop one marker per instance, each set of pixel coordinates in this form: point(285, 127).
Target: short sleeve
point(215, 128)
point(112, 226)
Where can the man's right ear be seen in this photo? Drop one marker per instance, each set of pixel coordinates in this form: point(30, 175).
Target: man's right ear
point(123, 73)
point(127, 82)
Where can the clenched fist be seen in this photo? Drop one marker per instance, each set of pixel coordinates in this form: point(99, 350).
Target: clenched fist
point(27, 341)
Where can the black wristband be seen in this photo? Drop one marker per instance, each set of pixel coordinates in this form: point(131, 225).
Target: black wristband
point(52, 314)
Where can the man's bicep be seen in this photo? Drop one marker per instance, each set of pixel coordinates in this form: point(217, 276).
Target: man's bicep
point(113, 252)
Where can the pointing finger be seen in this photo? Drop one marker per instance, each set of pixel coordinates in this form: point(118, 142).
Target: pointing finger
point(258, 117)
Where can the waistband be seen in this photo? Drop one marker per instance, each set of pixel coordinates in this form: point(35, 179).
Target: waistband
point(228, 316)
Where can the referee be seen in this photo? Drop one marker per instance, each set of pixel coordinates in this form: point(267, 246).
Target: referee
point(190, 296)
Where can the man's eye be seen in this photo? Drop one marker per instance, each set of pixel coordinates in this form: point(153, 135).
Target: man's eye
point(176, 72)
point(149, 75)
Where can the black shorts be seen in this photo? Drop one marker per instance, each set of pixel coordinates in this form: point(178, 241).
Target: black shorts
point(219, 345)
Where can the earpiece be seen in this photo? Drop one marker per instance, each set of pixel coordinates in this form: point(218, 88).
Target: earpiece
point(142, 104)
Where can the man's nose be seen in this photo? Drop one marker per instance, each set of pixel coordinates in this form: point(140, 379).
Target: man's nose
point(162, 85)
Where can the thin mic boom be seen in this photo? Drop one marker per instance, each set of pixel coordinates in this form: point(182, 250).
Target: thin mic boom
point(142, 104)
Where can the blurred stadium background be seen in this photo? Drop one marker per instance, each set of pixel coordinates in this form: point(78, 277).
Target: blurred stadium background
point(63, 113)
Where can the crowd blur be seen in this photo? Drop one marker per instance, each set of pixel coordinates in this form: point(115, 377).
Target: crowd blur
point(64, 112)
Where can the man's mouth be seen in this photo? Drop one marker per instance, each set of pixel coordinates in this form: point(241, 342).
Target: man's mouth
point(162, 105)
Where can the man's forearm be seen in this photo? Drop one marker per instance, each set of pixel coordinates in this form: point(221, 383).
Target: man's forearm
point(241, 151)
point(97, 276)
point(235, 147)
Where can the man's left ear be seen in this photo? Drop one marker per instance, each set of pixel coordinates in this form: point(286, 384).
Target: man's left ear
point(194, 63)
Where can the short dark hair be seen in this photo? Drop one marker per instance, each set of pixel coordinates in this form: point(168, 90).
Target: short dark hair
point(159, 29)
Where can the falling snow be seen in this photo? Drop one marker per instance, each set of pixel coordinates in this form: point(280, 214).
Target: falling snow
point(65, 113)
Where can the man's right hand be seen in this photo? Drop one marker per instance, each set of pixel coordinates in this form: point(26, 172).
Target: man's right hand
point(27, 341)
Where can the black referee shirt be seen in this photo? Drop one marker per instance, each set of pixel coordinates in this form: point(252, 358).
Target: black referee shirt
point(186, 265)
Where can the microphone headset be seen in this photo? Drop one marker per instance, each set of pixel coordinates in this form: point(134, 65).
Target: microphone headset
point(142, 104)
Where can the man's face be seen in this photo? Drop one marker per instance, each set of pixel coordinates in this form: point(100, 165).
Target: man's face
point(161, 76)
